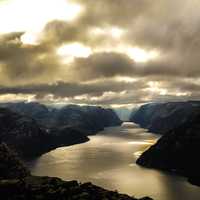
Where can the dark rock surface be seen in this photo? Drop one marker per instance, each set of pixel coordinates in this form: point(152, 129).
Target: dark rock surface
point(11, 166)
point(178, 150)
point(47, 188)
point(17, 184)
point(162, 117)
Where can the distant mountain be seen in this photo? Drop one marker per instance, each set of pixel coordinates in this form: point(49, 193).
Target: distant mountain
point(17, 183)
point(89, 118)
point(32, 128)
point(162, 117)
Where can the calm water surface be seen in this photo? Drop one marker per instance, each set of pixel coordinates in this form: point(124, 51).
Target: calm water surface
point(108, 160)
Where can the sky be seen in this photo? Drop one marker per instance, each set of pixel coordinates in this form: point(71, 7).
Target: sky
point(117, 53)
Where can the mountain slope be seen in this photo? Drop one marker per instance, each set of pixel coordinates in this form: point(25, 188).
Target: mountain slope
point(162, 117)
point(24, 135)
point(178, 150)
point(89, 118)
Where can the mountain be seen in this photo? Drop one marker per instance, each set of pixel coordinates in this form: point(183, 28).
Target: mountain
point(89, 118)
point(162, 117)
point(178, 150)
point(24, 135)
point(17, 183)
point(32, 128)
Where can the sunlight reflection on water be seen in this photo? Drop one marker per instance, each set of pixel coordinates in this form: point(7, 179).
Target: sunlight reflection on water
point(108, 160)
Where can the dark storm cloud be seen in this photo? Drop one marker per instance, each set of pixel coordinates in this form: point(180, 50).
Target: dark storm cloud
point(58, 32)
point(21, 63)
point(62, 89)
point(104, 64)
point(96, 14)
point(101, 65)
point(182, 85)
point(109, 12)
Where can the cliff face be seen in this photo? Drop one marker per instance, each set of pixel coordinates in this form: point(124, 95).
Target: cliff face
point(177, 151)
point(89, 118)
point(17, 183)
point(162, 117)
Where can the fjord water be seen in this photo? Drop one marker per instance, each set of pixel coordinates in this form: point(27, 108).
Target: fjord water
point(108, 160)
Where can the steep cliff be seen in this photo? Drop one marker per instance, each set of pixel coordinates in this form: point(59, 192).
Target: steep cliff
point(24, 135)
point(177, 151)
point(162, 117)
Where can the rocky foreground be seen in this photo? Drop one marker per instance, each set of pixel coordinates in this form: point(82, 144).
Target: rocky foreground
point(47, 188)
point(16, 183)
point(178, 150)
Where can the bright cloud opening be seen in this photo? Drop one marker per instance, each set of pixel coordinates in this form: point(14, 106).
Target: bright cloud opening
point(74, 50)
point(135, 53)
point(155, 87)
point(32, 15)
point(114, 32)
point(140, 55)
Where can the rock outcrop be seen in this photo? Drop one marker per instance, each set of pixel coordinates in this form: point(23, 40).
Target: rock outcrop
point(177, 151)
point(47, 188)
point(162, 117)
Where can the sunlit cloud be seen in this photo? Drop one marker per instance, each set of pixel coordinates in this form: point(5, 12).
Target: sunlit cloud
point(140, 55)
point(32, 15)
point(126, 79)
point(116, 53)
point(74, 50)
point(17, 97)
point(137, 54)
point(30, 38)
point(179, 94)
point(156, 87)
point(114, 32)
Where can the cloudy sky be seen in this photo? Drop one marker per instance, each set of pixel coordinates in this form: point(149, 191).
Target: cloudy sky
point(105, 52)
